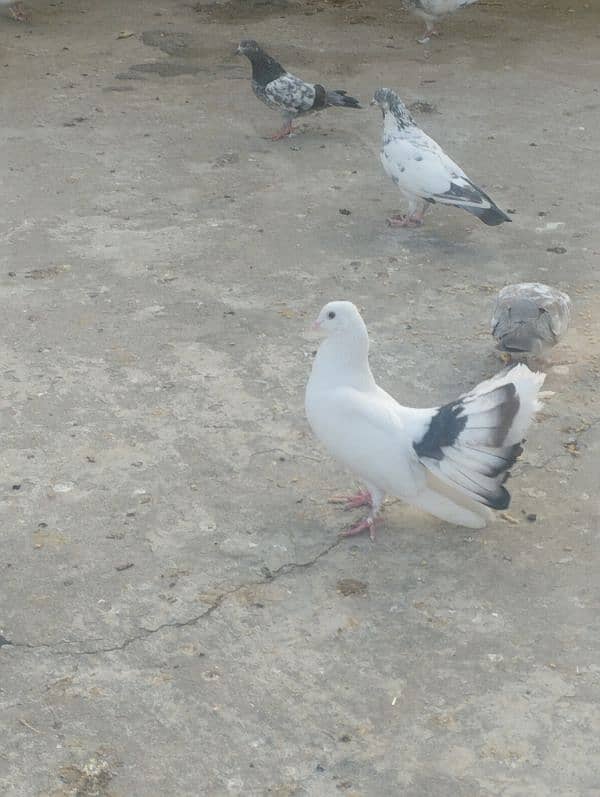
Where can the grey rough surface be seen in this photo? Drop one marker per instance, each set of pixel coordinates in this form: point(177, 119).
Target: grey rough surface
point(178, 617)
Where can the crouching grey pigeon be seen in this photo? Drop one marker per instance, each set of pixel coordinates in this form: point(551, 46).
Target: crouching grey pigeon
point(529, 318)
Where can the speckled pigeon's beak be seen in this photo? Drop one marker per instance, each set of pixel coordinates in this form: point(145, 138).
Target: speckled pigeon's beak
point(373, 102)
point(238, 50)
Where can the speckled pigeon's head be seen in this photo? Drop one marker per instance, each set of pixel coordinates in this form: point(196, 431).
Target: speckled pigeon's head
point(248, 47)
point(390, 102)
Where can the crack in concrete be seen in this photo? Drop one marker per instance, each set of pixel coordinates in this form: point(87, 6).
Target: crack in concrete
point(270, 577)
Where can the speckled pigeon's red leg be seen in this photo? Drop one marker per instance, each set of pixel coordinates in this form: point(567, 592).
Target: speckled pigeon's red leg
point(286, 130)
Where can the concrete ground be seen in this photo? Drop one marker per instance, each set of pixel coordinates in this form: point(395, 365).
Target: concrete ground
point(178, 616)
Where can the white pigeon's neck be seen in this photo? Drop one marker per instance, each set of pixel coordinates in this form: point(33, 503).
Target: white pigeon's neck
point(344, 361)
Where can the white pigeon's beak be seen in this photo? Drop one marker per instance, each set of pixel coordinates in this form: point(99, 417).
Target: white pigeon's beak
point(316, 325)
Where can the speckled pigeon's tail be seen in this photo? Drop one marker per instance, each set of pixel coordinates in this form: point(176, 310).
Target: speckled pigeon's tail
point(340, 97)
point(490, 216)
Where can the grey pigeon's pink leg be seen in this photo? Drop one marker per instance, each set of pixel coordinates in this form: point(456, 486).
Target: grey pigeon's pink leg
point(363, 498)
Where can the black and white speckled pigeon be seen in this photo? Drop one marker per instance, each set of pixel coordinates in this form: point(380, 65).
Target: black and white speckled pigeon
point(422, 170)
point(432, 11)
point(451, 461)
point(529, 318)
point(287, 93)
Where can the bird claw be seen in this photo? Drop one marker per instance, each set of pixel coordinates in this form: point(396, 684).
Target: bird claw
point(19, 14)
point(362, 498)
point(283, 133)
point(364, 525)
point(404, 221)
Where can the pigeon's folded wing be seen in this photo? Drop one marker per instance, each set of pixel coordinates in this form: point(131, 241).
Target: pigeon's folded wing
point(291, 93)
point(420, 164)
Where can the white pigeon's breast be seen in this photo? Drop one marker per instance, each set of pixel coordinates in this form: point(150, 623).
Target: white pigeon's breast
point(376, 449)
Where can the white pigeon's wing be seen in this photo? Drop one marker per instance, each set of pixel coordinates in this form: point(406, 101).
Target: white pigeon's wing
point(290, 93)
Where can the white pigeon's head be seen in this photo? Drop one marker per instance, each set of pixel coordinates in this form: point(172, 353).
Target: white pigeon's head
point(390, 102)
point(339, 318)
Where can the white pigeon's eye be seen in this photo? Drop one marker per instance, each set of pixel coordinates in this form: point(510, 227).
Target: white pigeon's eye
point(331, 314)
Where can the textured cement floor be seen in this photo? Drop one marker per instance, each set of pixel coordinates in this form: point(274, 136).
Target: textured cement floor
point(177, 614)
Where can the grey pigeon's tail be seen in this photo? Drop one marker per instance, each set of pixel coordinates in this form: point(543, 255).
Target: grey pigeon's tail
point(340, 97)
point(490, 216)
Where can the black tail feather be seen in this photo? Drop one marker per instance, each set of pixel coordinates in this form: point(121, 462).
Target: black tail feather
point(490, 216)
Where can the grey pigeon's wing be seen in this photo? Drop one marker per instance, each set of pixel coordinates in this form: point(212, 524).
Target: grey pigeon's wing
point(291, 94)
point(558, 311)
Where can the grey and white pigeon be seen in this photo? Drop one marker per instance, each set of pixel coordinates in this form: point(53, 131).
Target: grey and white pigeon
point(451, 461)
point(16, 10)
point(287, 93)
point(529, 318)
point(432, 11)
point(422, 170)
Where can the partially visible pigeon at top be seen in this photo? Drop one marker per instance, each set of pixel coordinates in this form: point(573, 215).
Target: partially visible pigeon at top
point(451, 461)
point(422, 170)
point(16, 10)
point(431, 11)
point(287, 93)
point(529, 318)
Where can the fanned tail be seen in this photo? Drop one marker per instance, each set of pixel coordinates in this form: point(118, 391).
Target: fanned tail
point(471, 444)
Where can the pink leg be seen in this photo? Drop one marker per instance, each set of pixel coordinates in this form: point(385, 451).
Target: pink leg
point(363, 498)
point(286, 130)
point(367, 523)
point(428, 34)
point(399, 220)
point(18, 13)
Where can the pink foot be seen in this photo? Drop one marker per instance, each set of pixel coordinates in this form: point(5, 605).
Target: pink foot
point(399, 220)
point(285, 131)
point(367, 523)
point(427, 36)
point(363, 498)
point(18, 13)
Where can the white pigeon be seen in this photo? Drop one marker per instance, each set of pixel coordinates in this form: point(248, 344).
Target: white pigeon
point(422, 170)
point(431, 11)
point(529, 318)
point(16, 10)
point(451, 461)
